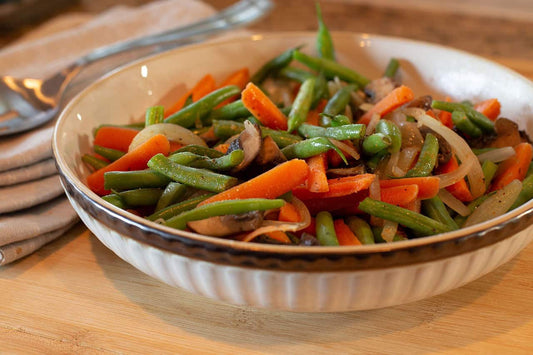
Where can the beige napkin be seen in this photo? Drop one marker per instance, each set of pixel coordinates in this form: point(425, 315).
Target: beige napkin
point(33, 209)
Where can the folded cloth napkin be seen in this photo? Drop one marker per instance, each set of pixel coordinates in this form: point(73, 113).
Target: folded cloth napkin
point(33, 209)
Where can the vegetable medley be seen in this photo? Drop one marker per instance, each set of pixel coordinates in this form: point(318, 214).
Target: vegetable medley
point(307, 151)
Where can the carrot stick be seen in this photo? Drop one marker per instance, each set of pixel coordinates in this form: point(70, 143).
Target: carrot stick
point(271, 184)
point(289, 213)
point(396, 98)
point(279, 236)
point(238, 78)
point(313, 116)
point(514, 167)
point(317, 181)
point(338, 187)
point(133, 160)
point(118, 138)
point(175, 146)
point(263, 108)
point(428, 187)
point(490, 108)
point(203, 87)
point(460, 189)
point(345, 236)
point(399, 195)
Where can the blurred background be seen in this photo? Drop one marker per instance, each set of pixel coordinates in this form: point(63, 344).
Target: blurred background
point(491, 28)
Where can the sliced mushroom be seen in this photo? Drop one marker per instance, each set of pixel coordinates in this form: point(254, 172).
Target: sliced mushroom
point(507, 133)
point(379, 88)
point(270, 153)
point(249, 140)
point(221, 226)
point(423, 102)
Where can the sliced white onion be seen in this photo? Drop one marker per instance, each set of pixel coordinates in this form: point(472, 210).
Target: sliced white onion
point(173, 132)
point(366, 106)
point(407, 158)
point(449, 200)
point(452, 177)
point(495, 205)
point(346, 148)
point(392, 166)
point(271, 226)
point(475, 176)
point(371, 126)
point(497, 155)
point(389, 230)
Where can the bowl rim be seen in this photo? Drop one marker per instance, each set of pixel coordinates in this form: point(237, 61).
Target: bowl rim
point(98, 207)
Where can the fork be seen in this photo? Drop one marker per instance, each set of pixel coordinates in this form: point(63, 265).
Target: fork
point(26, 103)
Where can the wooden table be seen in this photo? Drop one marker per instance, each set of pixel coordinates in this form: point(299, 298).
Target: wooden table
point(76, 296)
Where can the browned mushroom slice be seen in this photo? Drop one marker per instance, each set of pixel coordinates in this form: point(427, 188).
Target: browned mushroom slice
point(270, 153)
point(249, 140)
point(379, 88)
point(423, 102)
point(221, 226)
point(507, 134)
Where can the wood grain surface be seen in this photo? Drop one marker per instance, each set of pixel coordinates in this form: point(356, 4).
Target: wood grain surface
point(74, 296)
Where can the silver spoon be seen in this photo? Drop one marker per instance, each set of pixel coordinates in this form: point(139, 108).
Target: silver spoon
point(27, 103)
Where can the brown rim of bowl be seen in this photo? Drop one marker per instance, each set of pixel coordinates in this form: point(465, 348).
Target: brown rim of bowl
point(292, 258)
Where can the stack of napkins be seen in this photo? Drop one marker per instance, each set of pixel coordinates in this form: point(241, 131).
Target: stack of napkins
point(33, 208)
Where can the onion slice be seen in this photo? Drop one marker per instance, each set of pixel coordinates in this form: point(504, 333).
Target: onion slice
point(345, 148)
point(495, 205)
point(173, 132)
point(449, 200)
point(452, 177)
point(271, 226)
point(497, 155)
point(475, 175)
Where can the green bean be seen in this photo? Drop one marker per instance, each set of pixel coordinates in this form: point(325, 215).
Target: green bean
point(108, 153)
point(392, 68)
point(325, 230)
point(349, 131)
point(373, 162)
point(331, 68)
point(436, 209)
point(301, 105)
point(226, 129)
point(231, 111)
point(177, 208)
point(272, 66)
point(199, 178)
point(526, 193)
point(320, 91)
point(115, 200)
point(390, 129)
point(200, 150)
point(310, 147)
point(339, 120)
point(489, 170)
point(337, 104)
point(93, 161)
point(361, 229)
point(140, 197)
point(415, 221)
point(127, 180)
point(465, 125)
point(172, 193)
point(198, 110)
point(479, 119)
point(376, 143)
point(154, 114)
point(223, 163)
point(297, 74)
point(222, 208)
point(427, 158)
point(324, 42)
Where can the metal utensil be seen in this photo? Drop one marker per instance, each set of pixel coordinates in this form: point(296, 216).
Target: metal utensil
point(26, 103)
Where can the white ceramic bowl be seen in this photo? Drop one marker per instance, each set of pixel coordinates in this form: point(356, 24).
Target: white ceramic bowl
point(311, 279)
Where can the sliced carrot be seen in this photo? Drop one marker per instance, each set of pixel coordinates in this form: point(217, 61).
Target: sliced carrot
point(133, 160)
point(345, 236)
point(263, 108)
point(238, 78)
point(399, 195)
point(317, 181)
point(396, 98)
point(273, 183)
point(313, 116)
point(490, 108)
point(514, 167)
point(428, 187)
point(203, 87)
point(289, 213)
point(338, 187)
point(118, 138)
point(460, 189)
point(334, 159)
point(175, 146)
point(279, 236)
point(209, 135)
